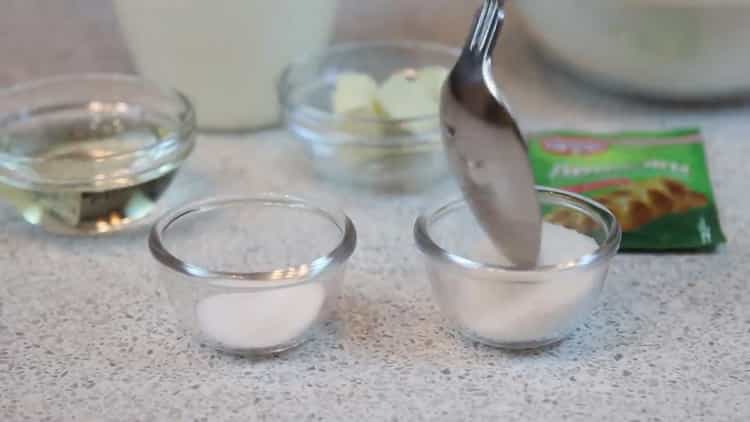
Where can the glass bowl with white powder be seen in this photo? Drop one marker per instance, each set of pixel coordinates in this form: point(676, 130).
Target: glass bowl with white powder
point(488, 300)
point(253, 275)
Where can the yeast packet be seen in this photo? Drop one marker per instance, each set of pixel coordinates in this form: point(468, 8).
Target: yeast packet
point(657, 184)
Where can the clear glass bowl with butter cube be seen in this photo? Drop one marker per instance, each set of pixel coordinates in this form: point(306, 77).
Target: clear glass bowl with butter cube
point(368, 112)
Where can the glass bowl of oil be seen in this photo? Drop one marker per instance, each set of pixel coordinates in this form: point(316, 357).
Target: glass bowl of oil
point(89, 154)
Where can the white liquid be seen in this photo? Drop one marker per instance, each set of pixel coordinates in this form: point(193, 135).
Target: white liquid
point(260, 320)
point(226, 55)
point(514, 308)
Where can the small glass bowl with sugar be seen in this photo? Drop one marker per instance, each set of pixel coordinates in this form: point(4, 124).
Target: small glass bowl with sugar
point(253, 275)
point(490, 301)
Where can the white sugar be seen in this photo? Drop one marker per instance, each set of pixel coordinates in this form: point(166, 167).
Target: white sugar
point(262, 319)
point(520, 308)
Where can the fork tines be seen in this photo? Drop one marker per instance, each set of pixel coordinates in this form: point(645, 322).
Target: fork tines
point(487, 24)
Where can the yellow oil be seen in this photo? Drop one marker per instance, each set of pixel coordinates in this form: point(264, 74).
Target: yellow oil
point(108, 203)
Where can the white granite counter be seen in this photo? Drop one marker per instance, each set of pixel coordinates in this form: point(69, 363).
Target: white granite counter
point(86, 333)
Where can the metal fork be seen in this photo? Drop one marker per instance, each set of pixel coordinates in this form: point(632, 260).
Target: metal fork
point(485, 147)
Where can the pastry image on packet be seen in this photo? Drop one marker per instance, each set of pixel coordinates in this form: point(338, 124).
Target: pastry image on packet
point(656, 183)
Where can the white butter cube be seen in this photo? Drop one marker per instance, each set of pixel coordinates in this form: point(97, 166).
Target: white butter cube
point(403, 96)
point(354, 91)
point(363, 122)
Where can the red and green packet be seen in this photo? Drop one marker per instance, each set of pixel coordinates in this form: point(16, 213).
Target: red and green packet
point(656, 183)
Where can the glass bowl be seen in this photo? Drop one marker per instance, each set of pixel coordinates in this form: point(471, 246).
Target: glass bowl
point(253, 275)
point(493, 303)
point(365, 151)
point(92, 153)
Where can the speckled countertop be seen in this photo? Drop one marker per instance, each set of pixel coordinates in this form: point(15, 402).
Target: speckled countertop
point(86, 333)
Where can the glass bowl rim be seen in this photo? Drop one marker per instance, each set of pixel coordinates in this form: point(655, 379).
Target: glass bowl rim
point(185, 122)
point(296, 274)
point(605, 251)
point(286, 89)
